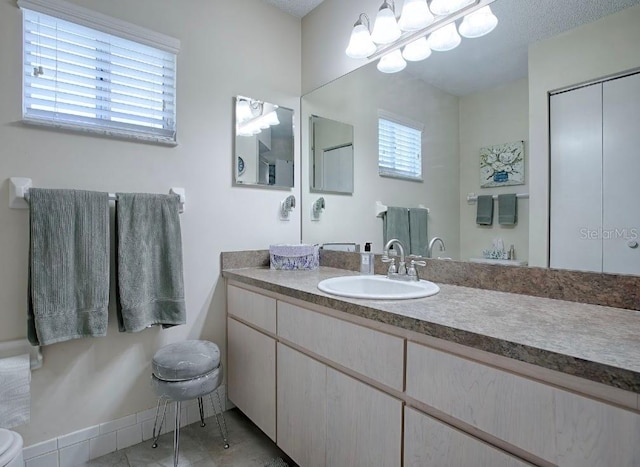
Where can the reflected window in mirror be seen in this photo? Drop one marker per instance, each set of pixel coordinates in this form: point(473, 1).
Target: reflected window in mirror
point(399, 147)
point(331, 155)
point(264, 144)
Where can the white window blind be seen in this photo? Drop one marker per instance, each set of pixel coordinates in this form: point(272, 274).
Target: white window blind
point(80, 78)
point(399, 149)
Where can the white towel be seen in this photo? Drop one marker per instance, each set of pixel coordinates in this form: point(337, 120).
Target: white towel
point(15, 394)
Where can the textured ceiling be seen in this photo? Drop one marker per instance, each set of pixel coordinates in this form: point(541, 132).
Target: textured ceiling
point(502, 55)
point(297, 8)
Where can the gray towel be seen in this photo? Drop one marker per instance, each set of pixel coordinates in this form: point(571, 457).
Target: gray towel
point(149, 261)
point(418, 231)
point(507, 209)
point(484, 212)
point(68, 290)
point(395, 224)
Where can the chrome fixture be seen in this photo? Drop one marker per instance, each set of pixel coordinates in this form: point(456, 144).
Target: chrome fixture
point(286, 206)
point(417, 21)
point(317, 208)
point(433, 242)
point(253, 116)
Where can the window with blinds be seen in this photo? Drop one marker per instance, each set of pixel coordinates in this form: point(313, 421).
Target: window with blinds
point(399, 149)
point(79, 78)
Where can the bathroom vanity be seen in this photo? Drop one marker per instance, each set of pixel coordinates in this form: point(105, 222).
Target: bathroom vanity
point(466, 377)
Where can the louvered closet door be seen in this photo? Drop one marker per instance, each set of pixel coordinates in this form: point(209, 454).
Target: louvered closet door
point(621, 179)
point(576, 179)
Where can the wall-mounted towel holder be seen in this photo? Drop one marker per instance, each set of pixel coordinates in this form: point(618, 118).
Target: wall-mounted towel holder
point(19, 193)
point(20, 347)
point(472, 197)
point(381, 208)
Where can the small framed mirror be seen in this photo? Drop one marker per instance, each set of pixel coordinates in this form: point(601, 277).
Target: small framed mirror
point(263, 152)
point(331, 156)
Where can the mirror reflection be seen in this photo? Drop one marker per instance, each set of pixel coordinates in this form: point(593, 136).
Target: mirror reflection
point(488, 105)
point(263, 152)
point(331, 156)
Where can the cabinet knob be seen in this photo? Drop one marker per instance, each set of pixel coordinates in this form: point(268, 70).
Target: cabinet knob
point(632, 244)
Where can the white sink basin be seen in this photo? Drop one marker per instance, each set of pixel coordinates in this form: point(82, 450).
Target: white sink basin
point(377, 288)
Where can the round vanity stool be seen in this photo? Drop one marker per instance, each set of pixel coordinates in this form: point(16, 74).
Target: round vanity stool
point(10, 449)
point(184, 371)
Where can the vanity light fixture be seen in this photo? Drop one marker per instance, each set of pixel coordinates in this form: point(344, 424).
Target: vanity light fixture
point(286, 206)
point(422, 28)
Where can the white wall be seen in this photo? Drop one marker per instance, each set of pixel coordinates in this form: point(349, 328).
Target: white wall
point(605, 47)
point(325, 36)
point(355, 99)
point(496, 116)
point(228, 48)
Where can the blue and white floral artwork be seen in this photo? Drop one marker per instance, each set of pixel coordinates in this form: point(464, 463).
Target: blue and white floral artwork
point(502, 165)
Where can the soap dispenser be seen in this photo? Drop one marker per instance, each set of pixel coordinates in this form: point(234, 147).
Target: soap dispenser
point(367, 260)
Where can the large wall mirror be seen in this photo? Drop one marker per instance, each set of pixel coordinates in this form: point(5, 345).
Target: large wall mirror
point(263, 151)
point(476, 96)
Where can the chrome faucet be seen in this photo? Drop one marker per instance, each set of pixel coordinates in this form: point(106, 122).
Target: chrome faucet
point(400, 273)
point(433, 242)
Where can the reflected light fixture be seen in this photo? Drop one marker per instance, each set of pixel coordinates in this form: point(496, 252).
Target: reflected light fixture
point(392, 62)
point(386, 29)
point(253, 116)
point(415, 15)
point(417, 50)
point(446, 7)
point(419, 19)
point(445, 38)
point(478, 23)
point(360, 43)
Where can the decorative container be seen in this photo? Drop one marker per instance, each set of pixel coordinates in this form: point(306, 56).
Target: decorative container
point(294, 257)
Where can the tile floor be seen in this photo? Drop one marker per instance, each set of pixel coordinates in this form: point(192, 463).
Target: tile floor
point(202, 447)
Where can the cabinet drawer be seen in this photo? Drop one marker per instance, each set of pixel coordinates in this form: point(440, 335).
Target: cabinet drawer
point(252, 308)
point(428, 441)
point(514, 409)
point(371, 353)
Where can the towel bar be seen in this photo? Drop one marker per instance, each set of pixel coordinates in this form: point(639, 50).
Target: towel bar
point(19, 347)
point(381, 208)
point(472, 197)
point(19, 193)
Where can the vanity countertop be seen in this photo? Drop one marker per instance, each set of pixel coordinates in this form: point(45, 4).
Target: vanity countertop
point(598, 343)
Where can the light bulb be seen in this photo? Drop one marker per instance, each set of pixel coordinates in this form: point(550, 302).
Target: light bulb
point(417, 50)
point(415, 15)
point(445, 7)
point(445, 38)
point(360, 43)
point(272, 118)
point(243, 110)
point(478, 23)
point(392, 62)
point(385, 29)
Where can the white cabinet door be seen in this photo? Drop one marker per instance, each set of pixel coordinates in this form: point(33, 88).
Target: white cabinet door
point(253, 308)
point(576, 179)
point(621, 179)
point(302, 406)
point(364, 425)
point(251, 374)
point(429, 442)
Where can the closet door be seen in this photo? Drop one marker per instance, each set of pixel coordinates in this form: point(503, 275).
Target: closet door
point(621, 179)
point(576, 179)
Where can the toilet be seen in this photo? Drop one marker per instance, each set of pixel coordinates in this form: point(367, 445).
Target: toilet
point(10, 449)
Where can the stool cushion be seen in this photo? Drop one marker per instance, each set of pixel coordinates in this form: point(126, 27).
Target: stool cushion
point(185, 360)
point(190, 389)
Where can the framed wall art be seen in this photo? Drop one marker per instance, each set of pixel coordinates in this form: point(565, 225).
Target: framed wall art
point(502, 165)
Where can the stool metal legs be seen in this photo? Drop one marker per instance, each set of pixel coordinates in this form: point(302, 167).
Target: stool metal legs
point(157, 427)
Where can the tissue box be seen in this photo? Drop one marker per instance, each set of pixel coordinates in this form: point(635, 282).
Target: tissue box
point(294, 257)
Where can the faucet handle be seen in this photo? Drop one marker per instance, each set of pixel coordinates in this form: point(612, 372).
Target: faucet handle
point(392, 267)
point(412, 272)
